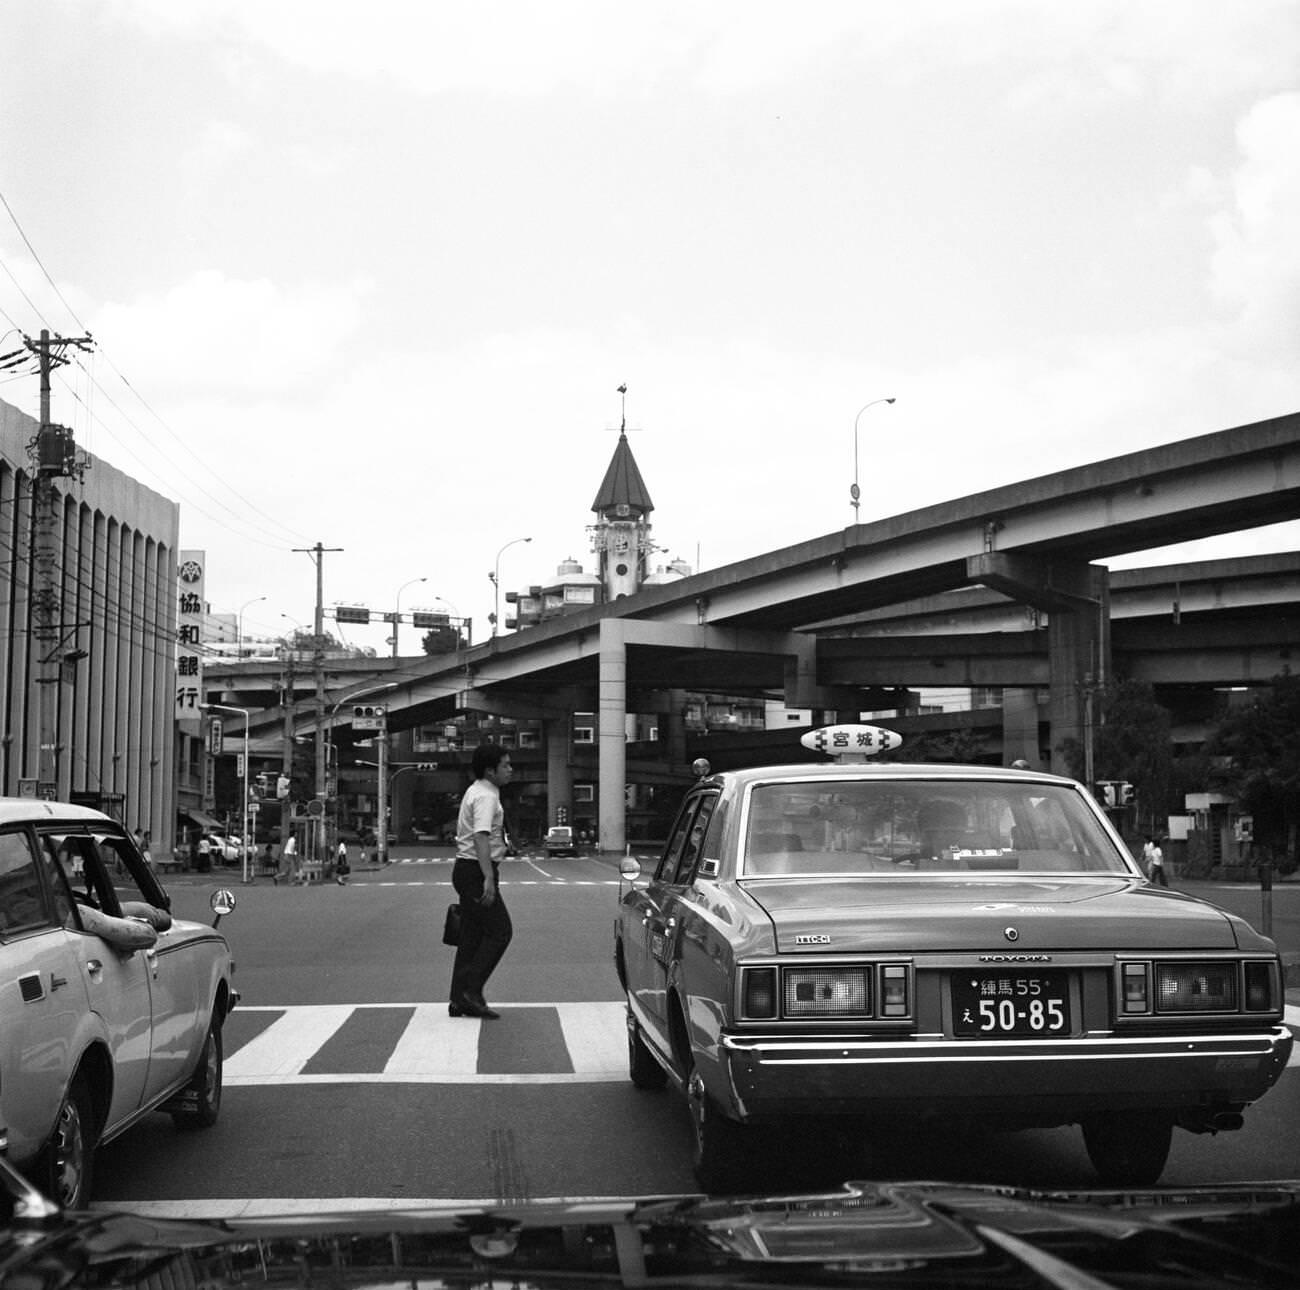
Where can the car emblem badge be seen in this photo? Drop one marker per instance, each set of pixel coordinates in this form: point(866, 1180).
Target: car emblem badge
point(1011, 933)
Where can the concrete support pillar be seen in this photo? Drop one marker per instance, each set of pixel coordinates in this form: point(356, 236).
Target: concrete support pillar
point(611, 735)
point(1078, 649)
point(1020, 726)
point(558, 732)
point(672, 729)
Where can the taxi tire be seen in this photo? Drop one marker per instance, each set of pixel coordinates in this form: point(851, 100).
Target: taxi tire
point(67, 1165)
point(205, 1084)
point(1128, 1148)
point(642, 1067)
point(725, 1152)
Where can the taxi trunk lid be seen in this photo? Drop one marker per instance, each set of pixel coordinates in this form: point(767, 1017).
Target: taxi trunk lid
point(866, 916)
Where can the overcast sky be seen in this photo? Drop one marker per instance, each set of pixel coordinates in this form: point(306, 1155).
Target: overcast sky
point(369, 274)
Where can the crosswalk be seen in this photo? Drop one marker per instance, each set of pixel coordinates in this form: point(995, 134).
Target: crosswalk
point(560, 1043)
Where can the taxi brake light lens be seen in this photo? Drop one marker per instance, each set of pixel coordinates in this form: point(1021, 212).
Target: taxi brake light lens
point(1261, 992)
point(893, 991)
point(1137, 988)
point(758, 1002)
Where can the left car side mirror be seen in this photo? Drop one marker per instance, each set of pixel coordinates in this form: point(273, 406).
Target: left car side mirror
point(629, 870)
point(222, 902)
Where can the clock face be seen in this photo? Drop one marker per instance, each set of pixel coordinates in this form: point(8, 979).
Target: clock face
point(623, 509)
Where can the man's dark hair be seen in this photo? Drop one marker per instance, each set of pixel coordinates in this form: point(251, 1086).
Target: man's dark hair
point(488, 757)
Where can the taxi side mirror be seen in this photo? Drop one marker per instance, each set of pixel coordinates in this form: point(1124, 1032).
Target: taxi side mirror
point(629, 870)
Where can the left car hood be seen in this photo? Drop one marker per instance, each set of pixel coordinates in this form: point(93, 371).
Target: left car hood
point(890, 1235)
point(861, 915)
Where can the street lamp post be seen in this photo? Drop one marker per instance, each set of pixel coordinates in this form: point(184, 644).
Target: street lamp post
point(239, 629)
point(855, 493)
point(243, 712)
point(397, 609)
point(329, 732)
point(495, 575)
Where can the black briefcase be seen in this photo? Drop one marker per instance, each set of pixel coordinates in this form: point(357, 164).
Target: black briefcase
point(451, 927)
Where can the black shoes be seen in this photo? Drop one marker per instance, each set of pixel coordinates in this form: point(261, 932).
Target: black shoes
point(472, 1008)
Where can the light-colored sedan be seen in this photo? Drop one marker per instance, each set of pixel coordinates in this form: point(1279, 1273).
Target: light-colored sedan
point(110, 1009)
point(859, 943)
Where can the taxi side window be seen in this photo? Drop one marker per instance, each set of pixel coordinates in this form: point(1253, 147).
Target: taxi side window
point(694, 829)
point(22, 898)
point(677, 840)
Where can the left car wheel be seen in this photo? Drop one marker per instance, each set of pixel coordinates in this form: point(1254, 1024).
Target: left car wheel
point(67, 1166)
point(202, 1096)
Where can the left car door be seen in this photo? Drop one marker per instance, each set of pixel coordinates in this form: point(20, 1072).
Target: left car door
point(116, 980)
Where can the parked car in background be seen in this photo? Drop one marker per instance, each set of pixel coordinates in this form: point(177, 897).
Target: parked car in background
point(559, 841)
point(854, 943)
point(95, 968)
point(226, 849)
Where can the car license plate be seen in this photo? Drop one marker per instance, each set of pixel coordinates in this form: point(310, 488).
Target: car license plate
point(998, 1005)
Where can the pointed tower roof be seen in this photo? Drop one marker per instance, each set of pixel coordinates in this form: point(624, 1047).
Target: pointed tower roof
point(622, 485)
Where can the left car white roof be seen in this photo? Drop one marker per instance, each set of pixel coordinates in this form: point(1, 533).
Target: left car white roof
point(18, 810)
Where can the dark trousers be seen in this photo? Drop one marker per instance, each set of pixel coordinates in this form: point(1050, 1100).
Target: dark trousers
point(485, 931)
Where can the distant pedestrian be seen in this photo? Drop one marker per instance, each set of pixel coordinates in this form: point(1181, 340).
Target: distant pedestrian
point(288, 869)
point(485, 927)
point(342, 867)
point(1155, 859)
point(205, 854)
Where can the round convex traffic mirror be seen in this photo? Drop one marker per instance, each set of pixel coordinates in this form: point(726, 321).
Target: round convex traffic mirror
point(628, 869)
point(222, 901)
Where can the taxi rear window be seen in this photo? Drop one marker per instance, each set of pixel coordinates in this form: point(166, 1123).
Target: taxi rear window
point(834, 826)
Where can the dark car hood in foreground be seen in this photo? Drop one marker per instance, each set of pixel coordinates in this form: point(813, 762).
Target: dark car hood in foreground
point(863, 914)
point(896, 1234)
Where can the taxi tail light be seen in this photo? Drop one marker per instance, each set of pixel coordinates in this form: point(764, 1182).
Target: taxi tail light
point(1196, 987)
point(894, 995)
point(758, 1001)
point(1262, 987)
point(1137, 987)
point(827, 992)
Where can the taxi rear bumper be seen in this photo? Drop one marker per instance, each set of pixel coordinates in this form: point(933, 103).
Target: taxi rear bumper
point(1033, 1080)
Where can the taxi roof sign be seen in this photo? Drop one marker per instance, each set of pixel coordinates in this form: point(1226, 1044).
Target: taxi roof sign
point(851, 742)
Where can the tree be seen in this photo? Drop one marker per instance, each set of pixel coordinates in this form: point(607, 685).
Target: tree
point(1258, 747)
point(1132, 743)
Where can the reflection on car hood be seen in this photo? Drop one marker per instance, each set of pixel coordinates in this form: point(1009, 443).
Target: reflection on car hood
point(896, 1234)
point(1061, 913)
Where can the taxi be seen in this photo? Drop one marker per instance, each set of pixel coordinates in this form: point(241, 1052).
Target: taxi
point(110, 1008)
point(852, 943)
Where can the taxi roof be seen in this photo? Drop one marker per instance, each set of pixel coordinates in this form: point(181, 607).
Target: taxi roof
point(883, 771)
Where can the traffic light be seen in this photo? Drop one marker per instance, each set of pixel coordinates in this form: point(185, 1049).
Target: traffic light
point(561, 815)
point(369, 716)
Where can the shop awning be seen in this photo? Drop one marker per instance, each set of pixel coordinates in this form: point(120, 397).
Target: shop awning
point(203, 820)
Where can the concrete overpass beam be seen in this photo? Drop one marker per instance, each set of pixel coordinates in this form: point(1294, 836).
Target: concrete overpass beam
point(611, 735)
point(1054, 585)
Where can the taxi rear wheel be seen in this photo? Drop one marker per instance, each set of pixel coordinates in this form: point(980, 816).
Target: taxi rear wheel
point(725, 1151)
point(1128, 1148)
point(67, 1166)
point(202, 1095)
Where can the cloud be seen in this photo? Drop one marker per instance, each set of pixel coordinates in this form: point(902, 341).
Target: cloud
point(214, 335)
point(1256, 264)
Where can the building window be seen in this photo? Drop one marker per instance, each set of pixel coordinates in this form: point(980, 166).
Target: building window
point(584, 727)
point(584, 792)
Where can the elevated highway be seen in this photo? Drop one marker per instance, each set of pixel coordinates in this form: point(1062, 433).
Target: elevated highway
point(880, 604)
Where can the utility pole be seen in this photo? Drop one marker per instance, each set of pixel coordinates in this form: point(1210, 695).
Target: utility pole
point(317, 553)
point(54, 453)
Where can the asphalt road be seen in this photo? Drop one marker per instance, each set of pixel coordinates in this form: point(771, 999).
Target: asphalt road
point(347, 1084)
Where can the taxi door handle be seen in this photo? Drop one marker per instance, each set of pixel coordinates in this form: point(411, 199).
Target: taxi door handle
point(94, 967)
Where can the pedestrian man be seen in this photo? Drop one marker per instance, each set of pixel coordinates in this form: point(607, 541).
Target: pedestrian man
point(1155, 859)
point(205, 853)
point(288, 869)
point(485, 927)
point(341, 866)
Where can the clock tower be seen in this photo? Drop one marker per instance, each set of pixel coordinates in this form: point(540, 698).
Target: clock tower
point(621, 535)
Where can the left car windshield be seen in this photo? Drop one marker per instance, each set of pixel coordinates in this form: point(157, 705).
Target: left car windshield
point(840, 826)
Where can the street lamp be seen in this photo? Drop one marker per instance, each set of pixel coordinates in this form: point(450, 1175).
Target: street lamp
point(855, 492)
point(495, 575)
point(397, 609)
point(243, 712)
point(239, 630)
